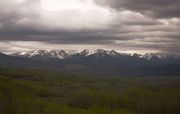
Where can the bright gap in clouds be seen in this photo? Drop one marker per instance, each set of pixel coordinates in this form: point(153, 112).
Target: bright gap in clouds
point(74, 14)
point(19, 0)
point(54, 5)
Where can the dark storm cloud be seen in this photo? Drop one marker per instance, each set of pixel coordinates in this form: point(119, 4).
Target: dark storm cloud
point(23, 22)
point(131, 26)
point(158, 8)
point(60, 36)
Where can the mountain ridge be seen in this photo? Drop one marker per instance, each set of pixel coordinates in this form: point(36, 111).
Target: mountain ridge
point(101, 63)
point(63, 54)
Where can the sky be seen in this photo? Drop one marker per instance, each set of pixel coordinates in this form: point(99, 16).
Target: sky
point(137, 26)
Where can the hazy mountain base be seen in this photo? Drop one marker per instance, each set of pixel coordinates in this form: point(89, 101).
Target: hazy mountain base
point(107, 65)
point(43, 92)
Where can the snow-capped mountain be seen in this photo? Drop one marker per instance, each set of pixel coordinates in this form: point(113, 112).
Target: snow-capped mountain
point(150, 56)
point(62, 54)
point(96, 61)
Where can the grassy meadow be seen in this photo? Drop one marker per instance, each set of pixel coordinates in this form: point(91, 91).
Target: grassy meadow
point(28, 91)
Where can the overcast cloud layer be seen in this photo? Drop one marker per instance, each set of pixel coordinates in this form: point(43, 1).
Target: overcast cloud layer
point(124, 25)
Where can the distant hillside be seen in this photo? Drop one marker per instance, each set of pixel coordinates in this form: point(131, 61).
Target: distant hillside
point(96, 62)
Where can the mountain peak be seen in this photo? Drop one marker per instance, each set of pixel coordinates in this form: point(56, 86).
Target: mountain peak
point(62, 54)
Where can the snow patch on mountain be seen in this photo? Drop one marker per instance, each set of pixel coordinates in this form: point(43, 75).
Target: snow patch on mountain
point(62, 54)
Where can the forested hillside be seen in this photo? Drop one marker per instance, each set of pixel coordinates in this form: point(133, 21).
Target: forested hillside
point(46, 92)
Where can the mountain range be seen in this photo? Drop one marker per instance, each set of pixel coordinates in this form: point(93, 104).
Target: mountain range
point(101, 62)
point(64, 54)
